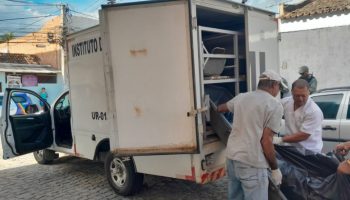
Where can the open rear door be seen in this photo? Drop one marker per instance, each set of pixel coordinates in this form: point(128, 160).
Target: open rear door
point(262, 39)
point(26, 123)
point(151, 60)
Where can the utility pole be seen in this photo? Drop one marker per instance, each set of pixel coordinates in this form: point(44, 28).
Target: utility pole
point(63, 47)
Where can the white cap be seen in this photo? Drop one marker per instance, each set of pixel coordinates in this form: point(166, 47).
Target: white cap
point(270, 75)
point(273, 76)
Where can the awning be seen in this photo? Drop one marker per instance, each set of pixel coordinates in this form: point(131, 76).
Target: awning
point(28, 68)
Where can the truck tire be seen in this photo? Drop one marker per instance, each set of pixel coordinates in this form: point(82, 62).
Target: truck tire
point(122, 176)
point(45, 156)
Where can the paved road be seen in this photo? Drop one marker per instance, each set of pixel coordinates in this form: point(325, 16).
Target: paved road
point(74, 178)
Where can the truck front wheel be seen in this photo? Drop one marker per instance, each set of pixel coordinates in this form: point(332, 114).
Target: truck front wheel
point(45, 156)
point(122, 176)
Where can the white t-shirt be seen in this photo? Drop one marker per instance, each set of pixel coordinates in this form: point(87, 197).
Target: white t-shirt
point(253, 112)
point(307, 119)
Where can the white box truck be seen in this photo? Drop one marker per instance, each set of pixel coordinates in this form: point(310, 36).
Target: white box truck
point(139, 90)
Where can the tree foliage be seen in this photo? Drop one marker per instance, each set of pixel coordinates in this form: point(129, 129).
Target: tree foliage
point(6, 37)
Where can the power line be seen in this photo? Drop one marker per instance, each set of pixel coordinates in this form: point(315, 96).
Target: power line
point(18, 24)
point(90, 5)
point(28, 42)
point(17, 5)
point(83, 14)
point(32, 3)
point(277, 3)
point(29, 26)
point(35, 33)
point(26, 18)
point(41, 19)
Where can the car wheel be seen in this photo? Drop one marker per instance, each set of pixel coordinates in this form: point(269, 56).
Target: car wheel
point(122, 176)
point(45, 156)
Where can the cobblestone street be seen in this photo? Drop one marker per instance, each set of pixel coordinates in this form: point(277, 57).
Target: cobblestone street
point(76, 178)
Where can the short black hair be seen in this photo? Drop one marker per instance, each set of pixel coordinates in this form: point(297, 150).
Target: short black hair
point(300, 83)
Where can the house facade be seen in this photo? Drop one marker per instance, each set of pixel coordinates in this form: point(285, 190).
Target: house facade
point(316, 33)
point(25, 71)
point(36, 60)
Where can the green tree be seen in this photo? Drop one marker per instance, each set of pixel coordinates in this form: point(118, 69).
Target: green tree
point(6, 38)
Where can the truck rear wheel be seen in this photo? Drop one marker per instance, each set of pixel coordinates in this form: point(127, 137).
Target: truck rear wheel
point(122, 176)
point(45, 156)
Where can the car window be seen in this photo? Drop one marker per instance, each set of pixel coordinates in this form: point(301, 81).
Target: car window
point(18, 99)
point(25, 103)
point(62, 103)
point(329, 104)
point(1, 98)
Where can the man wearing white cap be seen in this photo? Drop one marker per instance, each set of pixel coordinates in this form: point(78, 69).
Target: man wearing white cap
point(250, 151)
point(303, 119)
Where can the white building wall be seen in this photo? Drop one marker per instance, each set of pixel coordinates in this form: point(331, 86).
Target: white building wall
point(324, 50)
point(314, 22)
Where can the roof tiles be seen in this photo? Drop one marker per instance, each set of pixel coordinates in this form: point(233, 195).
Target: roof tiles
point(19, 58)
point(314, 7)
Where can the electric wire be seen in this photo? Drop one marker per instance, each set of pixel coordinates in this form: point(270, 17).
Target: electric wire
point(91, 16)
point(31, 3)
point(20, 18)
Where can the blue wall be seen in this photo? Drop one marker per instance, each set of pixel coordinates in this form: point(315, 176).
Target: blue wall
point(53, 89)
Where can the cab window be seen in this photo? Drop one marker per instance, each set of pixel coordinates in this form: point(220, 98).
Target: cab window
point(62, 103)
point(24, 104)
point(329, 104)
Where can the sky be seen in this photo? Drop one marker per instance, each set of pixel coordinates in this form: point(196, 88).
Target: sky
point(25, 16)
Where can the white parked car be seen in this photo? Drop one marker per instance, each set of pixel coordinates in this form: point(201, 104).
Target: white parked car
point(335, 105)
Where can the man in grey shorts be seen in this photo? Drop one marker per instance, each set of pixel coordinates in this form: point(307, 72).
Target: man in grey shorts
point(250, 151)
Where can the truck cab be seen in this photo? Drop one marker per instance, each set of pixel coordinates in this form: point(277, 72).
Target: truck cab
point(32, 127)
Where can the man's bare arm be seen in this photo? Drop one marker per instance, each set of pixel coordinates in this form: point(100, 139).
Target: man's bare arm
point(295, 137)
point(223, 108)
point(268, 147)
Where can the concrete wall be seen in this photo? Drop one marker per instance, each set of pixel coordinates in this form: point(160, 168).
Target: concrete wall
point(325, 20)
point(53, 89)
point(325, 51)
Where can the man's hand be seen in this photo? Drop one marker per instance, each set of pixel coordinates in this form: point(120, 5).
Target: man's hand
point(222, 108)
point(344, 167)
point(342, 149)
point(276, 176)
point(277, 140)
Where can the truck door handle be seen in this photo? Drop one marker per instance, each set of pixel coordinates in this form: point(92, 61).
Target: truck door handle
point(331, 128)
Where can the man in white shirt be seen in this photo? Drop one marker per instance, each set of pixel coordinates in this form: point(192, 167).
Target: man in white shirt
point(303, 119)
point(250, 151)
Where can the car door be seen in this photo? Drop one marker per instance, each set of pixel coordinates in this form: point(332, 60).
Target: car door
point(331, 105)
point(28, 128)
point(345, 120)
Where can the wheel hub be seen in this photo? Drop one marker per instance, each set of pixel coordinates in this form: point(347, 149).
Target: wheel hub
point(118, 172)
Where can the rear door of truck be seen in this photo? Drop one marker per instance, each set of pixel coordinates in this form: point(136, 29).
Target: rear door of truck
point(262, 39)
point(150, 56)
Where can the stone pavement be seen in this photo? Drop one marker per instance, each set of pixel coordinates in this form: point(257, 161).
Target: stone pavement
point(75, 178)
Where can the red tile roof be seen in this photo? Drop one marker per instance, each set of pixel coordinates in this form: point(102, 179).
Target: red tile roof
point(19, 58)
point(314, 7)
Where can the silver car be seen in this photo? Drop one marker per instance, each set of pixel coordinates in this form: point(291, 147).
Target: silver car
point(335, 105)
